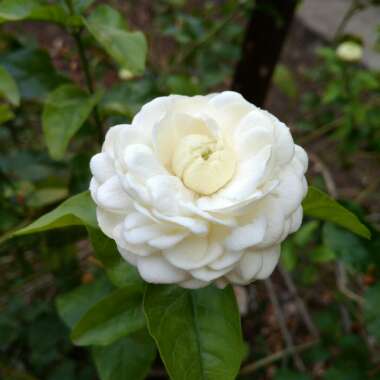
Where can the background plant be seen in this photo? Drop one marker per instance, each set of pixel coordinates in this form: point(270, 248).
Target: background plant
point(55, 108)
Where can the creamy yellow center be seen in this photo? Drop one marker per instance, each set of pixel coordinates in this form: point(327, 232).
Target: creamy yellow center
point(204, 164)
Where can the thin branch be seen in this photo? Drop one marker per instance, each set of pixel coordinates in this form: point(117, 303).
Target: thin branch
point(252, 367)
point(355, 7)
point(343, 288)
point(326, 174)
point(203, 41)
point(300, 303)
point(282, 323)
point(76, 34)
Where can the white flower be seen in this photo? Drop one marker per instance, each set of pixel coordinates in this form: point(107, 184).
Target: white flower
point(200, 189)
point(349, 51)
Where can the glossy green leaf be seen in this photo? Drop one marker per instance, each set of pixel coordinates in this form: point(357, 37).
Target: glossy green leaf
point(120, 272)
point(46, 196)
point(16, 10)
point(8, 87)
point(33, 71)
point(197, 332)
point(77, 210)
point(73, 305)
point(128, 358)
point(115, 316)
point(65, 111)
point(319, 205)
point(109, 28)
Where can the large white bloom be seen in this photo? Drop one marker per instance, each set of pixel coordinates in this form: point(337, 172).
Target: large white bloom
point(200, 189)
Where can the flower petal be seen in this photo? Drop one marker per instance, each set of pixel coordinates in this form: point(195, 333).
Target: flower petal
point(270, 259)
point(111, 195)
point(141, 162)
point(101, 167)
point(192, 252)
point(155, 269)
point(246, 236)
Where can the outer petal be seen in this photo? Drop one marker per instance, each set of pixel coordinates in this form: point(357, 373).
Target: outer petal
point(157, 270)
point(270, 258)
point(246, 236)
point(192, 252)
point(102, 167)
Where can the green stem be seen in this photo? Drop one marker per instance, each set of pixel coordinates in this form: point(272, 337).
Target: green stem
point(87, 72)
point(203, 41)
point(355, 7)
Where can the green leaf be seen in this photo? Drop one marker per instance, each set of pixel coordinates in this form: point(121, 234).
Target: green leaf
point(346, 246)
point(284, 80)
point(372, 310)
point(306, 233)
point(288, 256)
point(197, 332)
point(8, 87)
point(108, 27)
point(322, 254)
point(16, 10)
point(73, 305)
point(33, 71)
point(46, 196)
point(115, 316)
point(6, 113)
point(319, 205)
point(65, 111)
point(120, 272)
point(128, 358)
point(77, 210)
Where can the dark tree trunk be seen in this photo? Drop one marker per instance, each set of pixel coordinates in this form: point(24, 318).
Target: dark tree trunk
point(265, 35)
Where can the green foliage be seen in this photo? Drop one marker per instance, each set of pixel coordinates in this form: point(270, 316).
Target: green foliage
point(74, 304)
point(98, 295)
point(187, 326)
point(77, 210)
point(65, 111)
point(120, 272)
point(128, 358)
point(33, 71)
point(372, 310)
point(8, 87)
point(17, 10)
point(321, 206)
point(284, 80)
point(346, 246)
point(113, 317)
point(108, 27)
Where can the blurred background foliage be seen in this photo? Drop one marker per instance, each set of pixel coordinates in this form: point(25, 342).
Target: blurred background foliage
point(62, 84)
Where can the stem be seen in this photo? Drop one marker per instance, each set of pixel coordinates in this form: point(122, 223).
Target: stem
point(252, 367)
point(76, 34)
point(282, 323)
point(218, 27)
point(355, 7)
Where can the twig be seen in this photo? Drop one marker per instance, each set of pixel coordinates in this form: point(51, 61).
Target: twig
point(355, 7)
point(281, 320)
point(342, 285)
point(87, 72)
point(326, 174)
point(320, 131)
point(196, 45)
point(300, 303)
point(252, 367)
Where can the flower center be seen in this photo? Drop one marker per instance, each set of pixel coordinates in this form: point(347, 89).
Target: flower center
point(204, 164)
